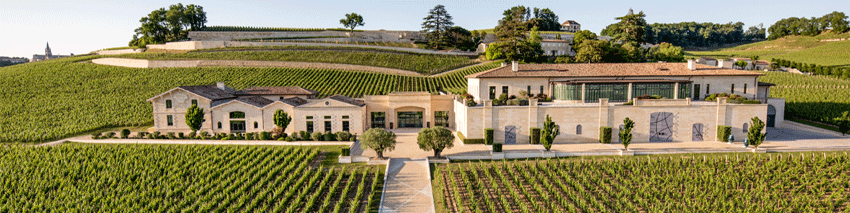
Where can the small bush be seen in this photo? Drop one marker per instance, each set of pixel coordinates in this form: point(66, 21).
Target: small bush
point(535, 135)
point(317, 136)
point(469, 140)
point(488, 136)
point(192, 135)
point(180, 135)
point(605, 134)
point(343, 136)
point(204, 135)
point(281, 139)
point(305, 136)
point(265, 135)
point(346, 151)
point(497, 147)
point(96, 135)
point(353, 138)
point(289, 139)
point(125, 133)
point(170, 135)
point(723, 133)
point(328, 136)
point(109, 135)
point(156, 135)
point(141, 135)
point(278, 132)
point(751, 102)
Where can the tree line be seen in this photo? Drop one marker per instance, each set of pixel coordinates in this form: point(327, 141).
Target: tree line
point(835, 21)
point(167, 25)
point(696, 35)
point(843, 72)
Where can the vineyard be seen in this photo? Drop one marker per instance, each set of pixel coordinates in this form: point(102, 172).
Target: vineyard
point(54, 99)
point(180, 178)
point(788, 182)
point(268, 29)
point(803, 49)
point(421, 63)
point(817, 98)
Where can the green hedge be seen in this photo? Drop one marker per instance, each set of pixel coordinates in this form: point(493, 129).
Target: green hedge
point(488, 136)
point(497, 147)
point(723, 133)
point(469, 140)
point(535, 135)
point(346, 151)
point(605, 134)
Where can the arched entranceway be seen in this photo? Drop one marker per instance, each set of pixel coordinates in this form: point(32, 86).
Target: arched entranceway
point(771, 115)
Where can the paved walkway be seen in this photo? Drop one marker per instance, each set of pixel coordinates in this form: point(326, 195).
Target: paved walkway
point(408, 187)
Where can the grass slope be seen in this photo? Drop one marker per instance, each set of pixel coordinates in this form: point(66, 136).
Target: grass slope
point(817, 98)
point(421, 63)
point(54, 99)
point(180, 178)
point(803, 49)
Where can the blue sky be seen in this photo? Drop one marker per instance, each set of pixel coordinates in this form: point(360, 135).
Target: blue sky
point(81, 26)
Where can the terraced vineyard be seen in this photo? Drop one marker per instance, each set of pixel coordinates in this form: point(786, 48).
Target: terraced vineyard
point(180, 178)
point(788, 182)
point(422, 63)
point(804, 49)
point(54, 99)
point(816, 98)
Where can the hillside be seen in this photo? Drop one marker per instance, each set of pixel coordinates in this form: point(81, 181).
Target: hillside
point(54, 99)
point(803, 49)
point(814, 98)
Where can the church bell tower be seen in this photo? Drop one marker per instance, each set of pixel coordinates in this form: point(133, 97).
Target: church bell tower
point(47, 51)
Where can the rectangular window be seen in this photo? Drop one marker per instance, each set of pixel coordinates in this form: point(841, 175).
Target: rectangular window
point(327, 117)
point(505, 90)
point(492, 93)
point(194, 102)
point(665, 90)
point(684, 90)
point(745, 88)
point(378, 120)
point(309, 117)
point(441, 118)
point(613, 92)
point(567, 92)
point(733, 89)
point(168, 104)
point(345, 117)
point(237, 126)
point(328, 126)
point(707, 89)
point(529, 89)
point(696, 92)
point(345, 126)
point(541, 89)
point(170, 120)
point(309, 126)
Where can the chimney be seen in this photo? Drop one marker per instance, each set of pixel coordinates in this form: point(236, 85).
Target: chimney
point(692, 64)
point(220, 85)
point(514, 66)
point(504, 64)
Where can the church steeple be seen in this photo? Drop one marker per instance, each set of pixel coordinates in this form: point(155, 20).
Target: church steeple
point(47, 51)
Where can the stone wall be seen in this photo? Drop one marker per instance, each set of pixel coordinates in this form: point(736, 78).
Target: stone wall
point(198, 45)
point(118, 52)
point(141, 63)
point(370, 36)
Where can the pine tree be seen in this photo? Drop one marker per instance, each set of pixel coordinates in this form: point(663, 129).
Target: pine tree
point(549, 132)
point(436, 26)
point(626, 132)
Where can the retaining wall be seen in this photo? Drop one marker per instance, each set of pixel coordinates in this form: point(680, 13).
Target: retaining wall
point(142, 63)
point(118, 52)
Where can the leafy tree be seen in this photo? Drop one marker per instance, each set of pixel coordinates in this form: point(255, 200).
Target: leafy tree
point(436, 25)
point(281, 119)
point(195, 117)
point(592, 51)
point(494, 51)
point(378, 139)
point(351, 21)
point(435, 138)
point(174, 24)
point(548, 133)
point(632, 52)
point(461, 38)
point(754, 136)
point(667, 52)
point(837, 21)
point(580, 37)
point(626, 132)
point(843, 123)
point(546, 20)
point(741, 64)
point(632, 28)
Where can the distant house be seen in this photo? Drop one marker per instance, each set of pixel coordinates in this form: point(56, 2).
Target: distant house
point(707, 61)
point(47, 55)
point(570, 26)
point(553, 47)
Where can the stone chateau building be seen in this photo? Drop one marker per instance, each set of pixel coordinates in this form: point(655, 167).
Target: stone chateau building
point(584, 98)
point(47, 55)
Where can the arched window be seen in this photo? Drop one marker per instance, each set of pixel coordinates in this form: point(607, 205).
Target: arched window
point(578, 129)
point(237, 114)
point(256, 125)
point(746, 127)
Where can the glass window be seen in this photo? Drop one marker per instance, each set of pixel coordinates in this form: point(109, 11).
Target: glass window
point(707, 89)
point(378, 120)
point(613, 92)
point(345, 126)
point(492, 93)
point(194, 102)
point(696, 92)
point(327, 117)
point(745, 88)
point(684, 90)
point(505, 90)
point(219, 125)
point(309, 117)
point(309, 126)
point(541, 89)
point(237, 126)
point(665, 90)
point(746, 127)
point(733, 89)
point(567, 92)
point(168, 104)
point(345, 117)
point(237, 115)
point(529, 89)
point(578, 129)
point(441, 118)
point(170, 120)
point(328, 126)
point(256, 125)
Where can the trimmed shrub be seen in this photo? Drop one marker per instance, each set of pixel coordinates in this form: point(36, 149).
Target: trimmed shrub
point(125, 133)
point(497, 147)
point(170, 135)
point(535, 135)
point(723, 133)
point(305, 136)
point(267, 135)
point(96, 135)
point(353, 137)
point(469, 140)
point(181, 135)
point(605, 134)
point(289, 139)
point(317, 136)
point(141, 135)
point(156, 135)
point(249, 136)
point(328, 136)
point(192, 135)
point(281, 139)
point(488, 136)
point(346, 151)
point(204, 135)
point(109, 135)
point(751, 102)
point(343, 136)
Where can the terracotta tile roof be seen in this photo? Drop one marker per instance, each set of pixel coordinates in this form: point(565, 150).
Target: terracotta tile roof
point(293, 90)
point(209, 91)
point(569, 22)
point(348, 100)
point(608, 70)
point(294, 101)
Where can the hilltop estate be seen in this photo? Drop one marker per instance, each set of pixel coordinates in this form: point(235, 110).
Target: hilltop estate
point(666, 98)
